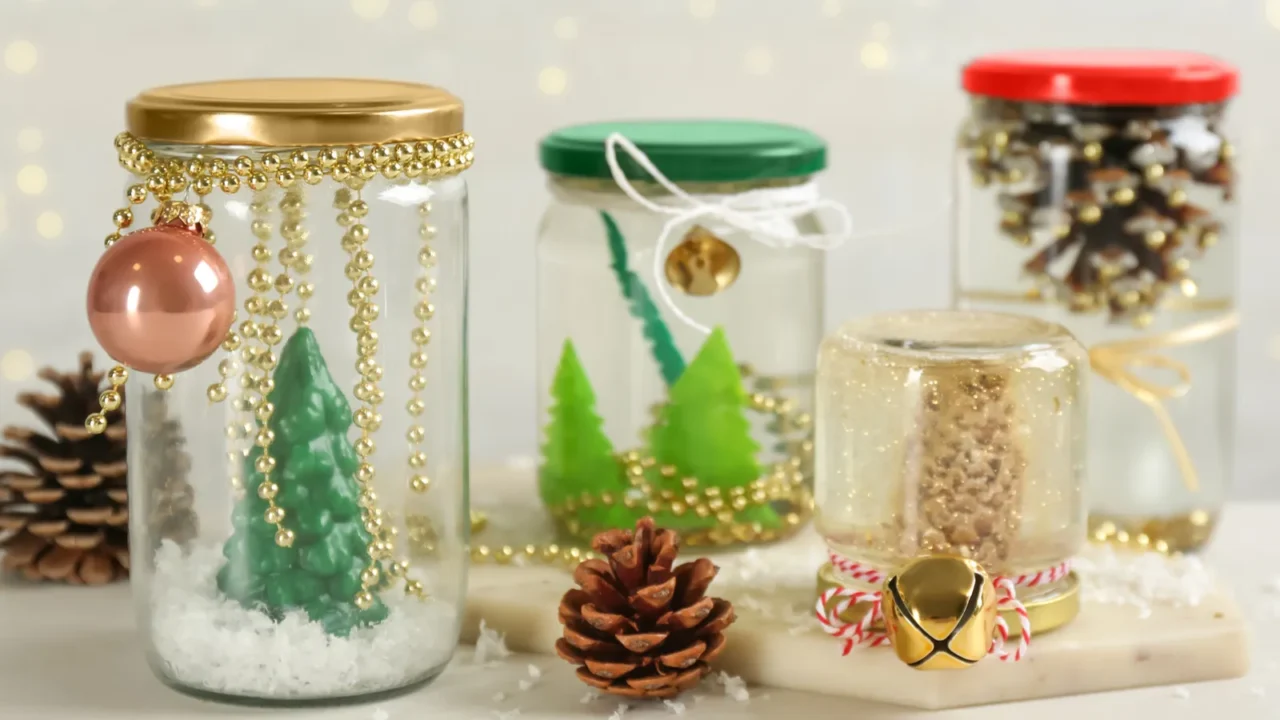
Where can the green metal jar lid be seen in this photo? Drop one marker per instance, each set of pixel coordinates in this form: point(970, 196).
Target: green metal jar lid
point(689, 150)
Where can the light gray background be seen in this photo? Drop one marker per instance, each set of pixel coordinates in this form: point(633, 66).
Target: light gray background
point(878, 78)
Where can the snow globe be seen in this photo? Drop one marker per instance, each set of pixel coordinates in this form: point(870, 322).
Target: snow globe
point(950, 471)
point(290, 325)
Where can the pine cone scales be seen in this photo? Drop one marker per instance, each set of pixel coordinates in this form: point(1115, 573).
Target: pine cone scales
point(636, 626)
point(65, 516)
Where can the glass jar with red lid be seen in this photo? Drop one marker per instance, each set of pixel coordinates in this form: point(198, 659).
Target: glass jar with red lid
point(1095, 189)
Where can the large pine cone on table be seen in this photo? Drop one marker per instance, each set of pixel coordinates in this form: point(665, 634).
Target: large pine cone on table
point(636, 626)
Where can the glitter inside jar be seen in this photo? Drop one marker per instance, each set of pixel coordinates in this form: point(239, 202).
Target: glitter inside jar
point(953, 433)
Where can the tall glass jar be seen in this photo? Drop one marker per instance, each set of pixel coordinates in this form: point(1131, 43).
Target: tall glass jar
point(325, 440)
point(1095, 190)
point(680, 291)
point(953, 433)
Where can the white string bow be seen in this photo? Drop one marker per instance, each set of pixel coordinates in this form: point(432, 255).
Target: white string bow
point(765, 215)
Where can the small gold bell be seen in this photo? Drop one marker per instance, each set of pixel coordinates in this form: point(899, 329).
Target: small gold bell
point(940, 612)
point(702, 264)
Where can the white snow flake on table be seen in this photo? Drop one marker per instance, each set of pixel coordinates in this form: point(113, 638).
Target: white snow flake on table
point(1142, 580)
point(734, 687)
point(491, 645)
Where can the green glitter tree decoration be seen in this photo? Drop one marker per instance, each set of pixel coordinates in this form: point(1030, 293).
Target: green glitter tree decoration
point(661, 343)
point(315, 470)
point(703, 432)
point(577, 456)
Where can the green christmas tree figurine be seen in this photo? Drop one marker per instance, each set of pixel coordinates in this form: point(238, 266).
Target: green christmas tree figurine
point(702, 430)
point(577, 456)
point(315, 470)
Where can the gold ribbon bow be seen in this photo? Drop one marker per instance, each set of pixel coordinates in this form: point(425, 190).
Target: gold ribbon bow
point(1117, 361)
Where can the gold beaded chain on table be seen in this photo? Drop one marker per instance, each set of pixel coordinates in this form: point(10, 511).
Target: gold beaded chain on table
point(259, 333)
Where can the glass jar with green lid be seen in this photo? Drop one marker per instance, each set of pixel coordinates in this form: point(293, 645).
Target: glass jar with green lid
point(680, 291)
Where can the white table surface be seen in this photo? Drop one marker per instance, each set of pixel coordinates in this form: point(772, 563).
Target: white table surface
point(72, 654)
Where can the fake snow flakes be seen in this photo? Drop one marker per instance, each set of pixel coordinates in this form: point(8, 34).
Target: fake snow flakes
point(491, 646)
point(734, 687)
point(1142, 579)
point(207, 641)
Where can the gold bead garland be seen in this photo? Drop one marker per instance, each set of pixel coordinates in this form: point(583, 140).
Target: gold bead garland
point(261, 357)
point(163, 176)
point(293, 213)
point(786, 483)
point(366, 417)
point(420, 336)
point(420, 482)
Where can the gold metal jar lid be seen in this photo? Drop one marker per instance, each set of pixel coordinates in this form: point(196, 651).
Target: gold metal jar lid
point(299, 112)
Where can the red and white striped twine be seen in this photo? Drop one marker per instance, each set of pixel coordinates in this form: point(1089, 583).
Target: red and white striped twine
point(832, 604)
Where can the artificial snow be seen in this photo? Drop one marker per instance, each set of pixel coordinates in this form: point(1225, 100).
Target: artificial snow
point(491, 645)
point(1181, 693)
point(380, 714)
point(622, 710)
point(590, 696)
point(499, 696)
point(734, 687)
point(673, 707)
point(210, 642)
point(1142, 579)
point(535, 674)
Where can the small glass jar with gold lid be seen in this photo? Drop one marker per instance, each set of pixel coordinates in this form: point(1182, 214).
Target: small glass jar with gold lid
point(292, 329)
point(680, 289)
point(953, 434)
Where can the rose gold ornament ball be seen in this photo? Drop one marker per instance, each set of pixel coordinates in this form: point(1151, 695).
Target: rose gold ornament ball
point(161, 300)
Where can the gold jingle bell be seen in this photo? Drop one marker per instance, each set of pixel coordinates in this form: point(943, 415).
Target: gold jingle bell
point(702, 264)
point(940, 612)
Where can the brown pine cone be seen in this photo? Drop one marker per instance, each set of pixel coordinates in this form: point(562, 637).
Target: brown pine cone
point(636, 627)
point(66, 516)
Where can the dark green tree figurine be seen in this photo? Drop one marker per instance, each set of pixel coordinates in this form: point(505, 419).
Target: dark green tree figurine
point(577, 456)
point(703, 432)
point(315, 471)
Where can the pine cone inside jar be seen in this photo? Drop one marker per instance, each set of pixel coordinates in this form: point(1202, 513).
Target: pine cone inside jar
point(636, 626)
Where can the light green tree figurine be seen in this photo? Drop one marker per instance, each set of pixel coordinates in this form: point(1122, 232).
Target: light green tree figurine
point(703, 432)
point(315, 471)
point(577, 456)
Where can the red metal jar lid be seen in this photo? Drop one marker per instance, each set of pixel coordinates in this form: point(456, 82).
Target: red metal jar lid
point(1102, 77)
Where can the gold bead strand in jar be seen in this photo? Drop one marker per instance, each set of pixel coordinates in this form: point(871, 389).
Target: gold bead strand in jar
point(293, 214)
point(264, 331)
point(366, 417)
point(420, 336)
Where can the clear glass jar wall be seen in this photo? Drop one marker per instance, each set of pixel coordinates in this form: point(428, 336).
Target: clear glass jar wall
point(604, 334)
point(1117, 222)
point(956, 433)
point(225, 609)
